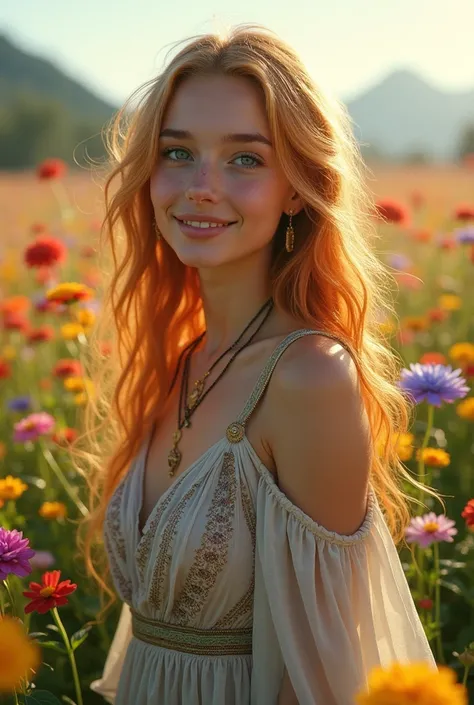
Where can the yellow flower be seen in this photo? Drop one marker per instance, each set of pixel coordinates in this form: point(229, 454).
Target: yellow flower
point(465, 409)
point(412, 684)
point(8, 352)
point(86, 317)
point(450, 302)
point(18, 654)
point(69, 293)
point(462, 353)
point(70, 331)
point(387, 327)
point(434, 457)
point(404, 446)
point(415, 323)
point(78, 384)
point(11, 488)
point(53, 510)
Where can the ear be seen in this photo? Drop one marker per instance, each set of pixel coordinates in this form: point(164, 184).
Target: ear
point(296, 204)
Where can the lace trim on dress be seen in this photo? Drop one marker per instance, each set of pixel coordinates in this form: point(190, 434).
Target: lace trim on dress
point(320, 531)
point(211, 556)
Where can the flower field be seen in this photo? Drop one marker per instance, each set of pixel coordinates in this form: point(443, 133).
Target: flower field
point(50, 293)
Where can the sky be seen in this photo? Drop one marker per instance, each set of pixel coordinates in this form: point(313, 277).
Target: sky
point(114, 46)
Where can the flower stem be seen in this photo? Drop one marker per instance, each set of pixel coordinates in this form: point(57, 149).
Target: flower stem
point(466, 673)
point(70, 653)
point(10, 596)
point(421, 476)
point(60, 476)
point(439, 641)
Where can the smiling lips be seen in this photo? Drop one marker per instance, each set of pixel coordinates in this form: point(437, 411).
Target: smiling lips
point(203, 222)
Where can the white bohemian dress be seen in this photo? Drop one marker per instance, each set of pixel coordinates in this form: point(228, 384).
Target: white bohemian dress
point(229, 584)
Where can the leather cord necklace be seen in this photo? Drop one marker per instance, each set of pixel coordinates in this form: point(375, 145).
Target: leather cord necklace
point(197, 396)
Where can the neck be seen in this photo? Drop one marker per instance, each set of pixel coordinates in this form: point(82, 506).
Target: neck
point(230, 303)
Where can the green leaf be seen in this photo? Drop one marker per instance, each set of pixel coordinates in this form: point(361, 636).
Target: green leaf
point(53, 627)
point(67, 700)
point(79, 637)
point(40, 697)
point(53, 645)
point(35, 635)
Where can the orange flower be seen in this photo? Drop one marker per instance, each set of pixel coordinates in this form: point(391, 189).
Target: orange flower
point(65, 436)
point(69, 293)
point(434, 457)
point(432, 358)
point(67, 368)
point(415, 323)
point(15, 304)
point(422, 235)
point(437, 315)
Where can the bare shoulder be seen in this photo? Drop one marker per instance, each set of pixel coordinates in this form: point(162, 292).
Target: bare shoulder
point(318, 432)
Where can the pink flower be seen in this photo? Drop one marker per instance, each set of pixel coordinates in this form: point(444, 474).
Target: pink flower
point(42, 560)
point(33, 426)
point(430, 528)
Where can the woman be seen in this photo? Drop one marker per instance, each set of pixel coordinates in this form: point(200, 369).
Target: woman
point(252, 497)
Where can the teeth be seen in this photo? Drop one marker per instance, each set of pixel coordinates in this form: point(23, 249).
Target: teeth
point(199, 224)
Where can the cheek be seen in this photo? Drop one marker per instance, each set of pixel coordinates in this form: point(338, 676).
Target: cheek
point(165, 186)
point(257, 196)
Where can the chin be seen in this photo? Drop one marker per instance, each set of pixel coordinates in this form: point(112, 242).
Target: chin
point(204, 256)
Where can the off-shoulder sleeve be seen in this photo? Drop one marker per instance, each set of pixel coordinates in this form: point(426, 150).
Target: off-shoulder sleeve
point(107, 685)
point(327, 607)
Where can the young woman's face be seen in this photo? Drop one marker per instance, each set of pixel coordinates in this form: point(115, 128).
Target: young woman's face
point(216, 161)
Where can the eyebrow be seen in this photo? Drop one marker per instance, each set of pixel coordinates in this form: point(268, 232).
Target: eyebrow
point(234, 137)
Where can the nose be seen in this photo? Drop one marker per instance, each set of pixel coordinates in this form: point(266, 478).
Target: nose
point(203, 185)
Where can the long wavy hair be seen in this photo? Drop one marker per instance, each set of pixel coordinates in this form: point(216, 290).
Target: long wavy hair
point(152, 305)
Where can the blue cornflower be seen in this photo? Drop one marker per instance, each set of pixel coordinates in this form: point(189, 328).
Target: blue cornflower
point(465, 236)
point(433, 383)
point(19, 404)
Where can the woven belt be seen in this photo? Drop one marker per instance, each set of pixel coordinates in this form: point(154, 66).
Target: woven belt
point(205, 642)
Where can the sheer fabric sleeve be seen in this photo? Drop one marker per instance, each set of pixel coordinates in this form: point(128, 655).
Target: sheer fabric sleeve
point(107, 685)
point(327, 607)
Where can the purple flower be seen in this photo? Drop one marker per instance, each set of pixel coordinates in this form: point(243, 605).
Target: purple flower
point(400, 261)
point(19, 403)
point(465, 236)
point(33, 426)
point(429, 528)
point(14, 553)
point(433, 383)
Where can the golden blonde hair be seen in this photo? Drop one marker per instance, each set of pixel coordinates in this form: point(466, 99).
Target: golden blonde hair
point(152, 305)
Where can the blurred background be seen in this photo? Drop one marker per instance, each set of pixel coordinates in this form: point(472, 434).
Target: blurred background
point(405, 70)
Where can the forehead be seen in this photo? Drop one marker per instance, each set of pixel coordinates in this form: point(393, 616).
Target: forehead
point(217, 104)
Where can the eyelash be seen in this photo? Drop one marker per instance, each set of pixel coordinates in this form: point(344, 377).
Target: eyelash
point(165, 153)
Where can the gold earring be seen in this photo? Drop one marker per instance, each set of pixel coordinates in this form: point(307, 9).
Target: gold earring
point(157, 232)
point(290, 235)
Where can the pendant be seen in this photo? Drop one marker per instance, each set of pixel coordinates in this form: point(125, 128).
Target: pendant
point(196, 394)
point(174, 459)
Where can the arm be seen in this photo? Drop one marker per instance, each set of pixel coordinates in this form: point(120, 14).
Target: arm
point(320, 440)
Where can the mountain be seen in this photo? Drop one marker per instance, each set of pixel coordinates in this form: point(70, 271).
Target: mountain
point(28, 73)
point(404, 114)
point(398, 117)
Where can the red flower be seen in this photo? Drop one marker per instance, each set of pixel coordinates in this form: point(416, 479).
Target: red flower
point(51, 169)
point(65, 436)
point(437, 315)
point(15, 321)
point(464, 212)
point(468, 513)
point(45, 252)
point(67, 368)
point(469, 371)
point(392, 211)
point(446, 242)
point(425, 603)
point(5, 369)
point(51, 593)
point(15, 304)
point(41, 334)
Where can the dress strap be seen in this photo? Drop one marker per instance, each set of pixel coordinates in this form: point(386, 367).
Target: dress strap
point(235, 430)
